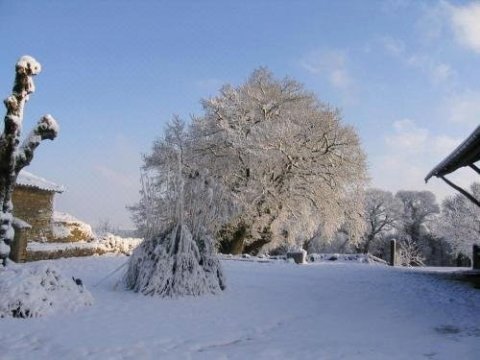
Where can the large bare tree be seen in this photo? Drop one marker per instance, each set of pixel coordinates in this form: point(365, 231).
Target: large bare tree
point(14, 156)
point(287, 159)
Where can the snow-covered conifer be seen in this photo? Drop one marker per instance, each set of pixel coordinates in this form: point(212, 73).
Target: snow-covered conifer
point(177, 257)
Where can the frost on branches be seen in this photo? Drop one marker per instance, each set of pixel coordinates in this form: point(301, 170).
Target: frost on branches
point(13, 155)
point(459, 223)
point(280, 165)
point(176, 215)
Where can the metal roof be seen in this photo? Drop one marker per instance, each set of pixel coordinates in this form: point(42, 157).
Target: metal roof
point(466, 154)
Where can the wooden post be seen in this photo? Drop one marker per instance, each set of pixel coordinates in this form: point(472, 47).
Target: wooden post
point(476, 257)
point(393, 252)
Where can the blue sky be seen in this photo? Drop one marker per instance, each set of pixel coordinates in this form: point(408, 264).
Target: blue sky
point(404, 73)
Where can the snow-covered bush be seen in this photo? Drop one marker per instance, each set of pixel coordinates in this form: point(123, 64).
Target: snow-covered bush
point(116, 244)
point(34, 290)
point(171, 265)
point(409, 254)
point(67, 228)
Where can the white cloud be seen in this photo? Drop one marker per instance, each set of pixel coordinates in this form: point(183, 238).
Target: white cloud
point(407, 137)
point(393, 46)
point(465, 21)
point(464, 108)
point(410, 153)
point(128, 181)
point(437, 71)
point(441, 72)
point(330, 65)
point(433, 24)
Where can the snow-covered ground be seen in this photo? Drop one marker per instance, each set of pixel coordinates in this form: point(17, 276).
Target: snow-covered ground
point(271, 310)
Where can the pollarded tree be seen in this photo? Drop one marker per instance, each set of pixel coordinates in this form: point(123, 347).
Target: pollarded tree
point(13, 155)
point(53, 291)
point(287, 159)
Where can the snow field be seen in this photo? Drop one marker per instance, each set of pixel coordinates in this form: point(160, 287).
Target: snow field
point(269, 311)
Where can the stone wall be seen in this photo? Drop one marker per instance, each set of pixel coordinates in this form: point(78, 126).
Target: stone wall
point(36, 208)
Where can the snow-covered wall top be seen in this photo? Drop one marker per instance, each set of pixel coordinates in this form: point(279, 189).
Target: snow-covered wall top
point(30, 180)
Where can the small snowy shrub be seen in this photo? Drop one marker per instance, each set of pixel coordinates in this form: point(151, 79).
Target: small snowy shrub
point(119, 245)
point(37, 290)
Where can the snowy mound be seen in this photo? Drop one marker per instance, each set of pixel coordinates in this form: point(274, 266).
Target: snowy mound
point(67, 228)
point(36, 290)
point(116, 244)
point(171, 265)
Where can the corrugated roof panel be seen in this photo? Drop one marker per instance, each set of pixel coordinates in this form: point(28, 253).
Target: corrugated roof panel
point(467, 153)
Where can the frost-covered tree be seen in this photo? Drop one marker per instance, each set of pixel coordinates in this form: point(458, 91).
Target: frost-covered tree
point(419, 208)
point(14, 156)
point(180, 207)
point(207, 205)
point(418, 213)
point(382, 214)
point(459, 223)
point(286, 158)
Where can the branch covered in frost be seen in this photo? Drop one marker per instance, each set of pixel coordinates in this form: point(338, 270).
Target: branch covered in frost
point(46, 128)
point(25, 69)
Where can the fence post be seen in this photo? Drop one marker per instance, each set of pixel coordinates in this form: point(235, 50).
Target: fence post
point(393, 252)
point(476, 257)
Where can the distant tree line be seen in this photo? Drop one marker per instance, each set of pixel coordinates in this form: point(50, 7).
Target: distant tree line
point(426, 233)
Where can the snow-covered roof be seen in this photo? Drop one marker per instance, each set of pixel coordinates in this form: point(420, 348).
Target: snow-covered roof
point(33, 181)
point(467, 153)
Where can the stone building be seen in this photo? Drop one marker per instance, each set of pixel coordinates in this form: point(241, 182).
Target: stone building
point(35, 218)
point(33, 199)
point(33, 203)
